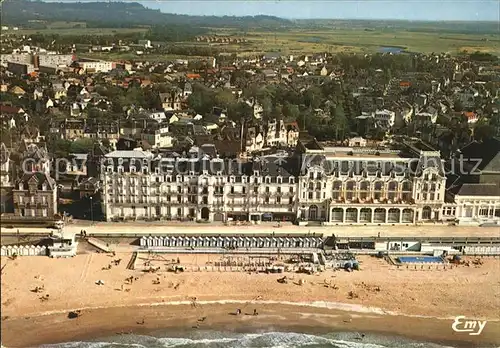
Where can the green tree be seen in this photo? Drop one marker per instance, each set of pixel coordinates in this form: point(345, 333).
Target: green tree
point(291, 111)
point(83, 145)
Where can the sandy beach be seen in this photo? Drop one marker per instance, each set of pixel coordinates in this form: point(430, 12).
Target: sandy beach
point(407, 302)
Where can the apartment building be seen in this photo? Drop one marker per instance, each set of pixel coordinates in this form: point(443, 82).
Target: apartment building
point(331, 186)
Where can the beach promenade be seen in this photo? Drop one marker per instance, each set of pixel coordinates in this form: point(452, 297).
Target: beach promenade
point(146, 228)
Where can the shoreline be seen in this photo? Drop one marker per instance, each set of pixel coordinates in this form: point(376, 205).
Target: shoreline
point(283, 317)
point(380, 298)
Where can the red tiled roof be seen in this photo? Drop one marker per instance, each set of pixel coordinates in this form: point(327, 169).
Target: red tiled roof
point(7, 109)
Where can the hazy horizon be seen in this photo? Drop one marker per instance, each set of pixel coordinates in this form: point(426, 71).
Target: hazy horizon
point(423, 10)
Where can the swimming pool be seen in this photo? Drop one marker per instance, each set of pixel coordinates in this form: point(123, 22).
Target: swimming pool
point(420, 259)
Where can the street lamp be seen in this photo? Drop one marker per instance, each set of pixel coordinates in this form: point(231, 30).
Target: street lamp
point(91, 212)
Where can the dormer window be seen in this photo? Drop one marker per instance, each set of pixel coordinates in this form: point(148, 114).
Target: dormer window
point(279, 180)
point(232, 179)
point(144, 170)
point(291, 180)
point(268, 180)
point(255, 173)
point(132, 169)
point(109, 169)
point(120, 169)
point(21, 186)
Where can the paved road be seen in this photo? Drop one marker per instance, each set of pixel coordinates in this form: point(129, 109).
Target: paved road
point(427, 230)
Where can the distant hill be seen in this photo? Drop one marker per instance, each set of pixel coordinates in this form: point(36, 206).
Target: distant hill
point(120, 14)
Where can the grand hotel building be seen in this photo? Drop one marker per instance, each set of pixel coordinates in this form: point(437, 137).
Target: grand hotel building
point(314, 184)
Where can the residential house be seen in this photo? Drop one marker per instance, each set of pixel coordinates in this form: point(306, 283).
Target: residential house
point(72, 129)
point(254, 138)
point(35, 196)
point(276, 133)
point(292, 133)
point(171, 101)
point(357, 142)
point(157, 135)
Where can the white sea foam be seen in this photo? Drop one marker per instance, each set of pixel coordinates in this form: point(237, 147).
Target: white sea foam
point(217, 339)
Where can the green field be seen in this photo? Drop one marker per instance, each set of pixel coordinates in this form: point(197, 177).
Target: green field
point(364, 41)
point(334, 38)
point(71, 30)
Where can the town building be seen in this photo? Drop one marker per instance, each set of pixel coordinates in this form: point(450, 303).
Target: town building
point(313, 184)
point(478, 204)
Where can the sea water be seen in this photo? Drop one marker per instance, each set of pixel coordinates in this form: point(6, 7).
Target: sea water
point(221, 339)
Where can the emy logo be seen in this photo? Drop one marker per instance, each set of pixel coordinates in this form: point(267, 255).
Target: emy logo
point(473, 327)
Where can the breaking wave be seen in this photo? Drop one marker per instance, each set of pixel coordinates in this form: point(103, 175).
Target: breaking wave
point(215, 339)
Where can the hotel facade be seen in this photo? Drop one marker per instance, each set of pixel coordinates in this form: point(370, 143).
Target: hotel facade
point(311, 185)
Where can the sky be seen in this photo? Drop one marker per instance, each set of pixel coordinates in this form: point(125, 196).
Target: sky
point(433, 10)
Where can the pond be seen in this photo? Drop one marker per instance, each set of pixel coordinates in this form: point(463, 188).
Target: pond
point(391, 49)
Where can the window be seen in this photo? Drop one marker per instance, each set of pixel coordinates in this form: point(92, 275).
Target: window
point(244, 189)
point(291, 180)
point(255, 189)
point(278, 189)
point(291, 189)
point(179, 198)
point(279, 180)
point(267, 189)
point(310, 195)
point(232, 189)
point(278, 200)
